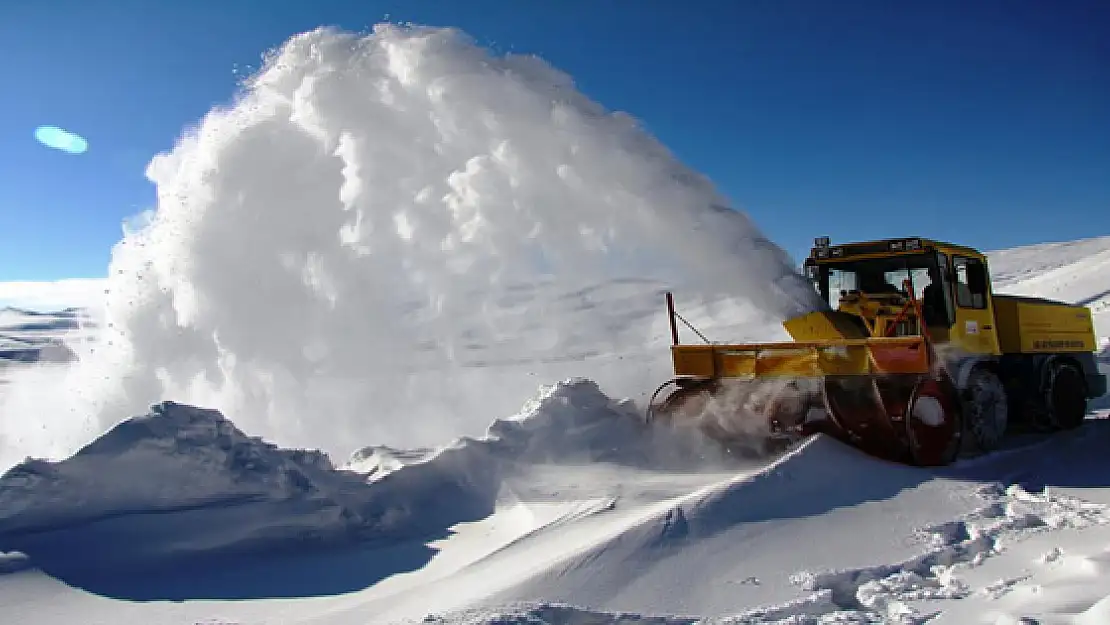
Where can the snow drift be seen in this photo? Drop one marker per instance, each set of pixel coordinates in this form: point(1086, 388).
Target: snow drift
point(180, 504)
point(346, 250)
point(219, 491)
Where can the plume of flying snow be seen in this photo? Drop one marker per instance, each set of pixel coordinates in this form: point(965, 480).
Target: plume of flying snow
point(398, 236)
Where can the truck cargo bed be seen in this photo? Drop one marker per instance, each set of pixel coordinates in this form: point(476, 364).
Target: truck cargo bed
point(1030, 325)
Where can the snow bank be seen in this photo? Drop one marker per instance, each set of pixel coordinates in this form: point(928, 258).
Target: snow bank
point(176, 459)
point(799, 484)
point(392, 237)
point(716, 539)
point(180, 461)
point(632, 563)
point(378, 461)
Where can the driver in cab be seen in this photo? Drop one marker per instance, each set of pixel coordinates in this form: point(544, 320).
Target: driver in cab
point(876, 284)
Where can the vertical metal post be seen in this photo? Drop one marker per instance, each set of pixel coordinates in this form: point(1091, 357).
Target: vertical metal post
point(670, 317)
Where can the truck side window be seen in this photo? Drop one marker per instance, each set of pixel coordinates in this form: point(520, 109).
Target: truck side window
point(971, 282)
point(937, 297)
point(840, 280)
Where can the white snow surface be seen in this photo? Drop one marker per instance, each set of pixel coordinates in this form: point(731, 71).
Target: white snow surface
point(569, 512)
point(381, 247)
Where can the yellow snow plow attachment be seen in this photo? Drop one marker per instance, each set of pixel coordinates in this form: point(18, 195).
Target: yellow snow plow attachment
point(871, 356)
point(833, 378)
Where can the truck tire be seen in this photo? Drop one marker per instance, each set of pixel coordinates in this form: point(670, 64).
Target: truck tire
point(986, 409)
point(1065, 396)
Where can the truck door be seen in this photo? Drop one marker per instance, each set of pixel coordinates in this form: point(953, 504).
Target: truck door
point(974, 329)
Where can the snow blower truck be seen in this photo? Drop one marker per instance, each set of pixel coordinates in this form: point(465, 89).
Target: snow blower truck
point(915, 360)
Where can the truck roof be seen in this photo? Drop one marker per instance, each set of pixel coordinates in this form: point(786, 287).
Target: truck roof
point(887, 247)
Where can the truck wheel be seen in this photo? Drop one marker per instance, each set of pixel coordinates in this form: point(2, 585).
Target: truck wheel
point(985, 408)
point(1065, 397)
point(934, 427)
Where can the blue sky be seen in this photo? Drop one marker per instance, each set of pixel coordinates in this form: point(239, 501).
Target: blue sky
point(986, 123)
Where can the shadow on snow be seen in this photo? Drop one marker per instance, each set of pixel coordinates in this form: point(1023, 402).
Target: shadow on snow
point(209, 551)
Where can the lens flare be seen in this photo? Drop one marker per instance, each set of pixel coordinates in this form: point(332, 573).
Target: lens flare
point(59, 139)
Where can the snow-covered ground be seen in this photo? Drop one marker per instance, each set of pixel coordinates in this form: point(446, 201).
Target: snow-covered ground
point(570, 512)
point(404, 238)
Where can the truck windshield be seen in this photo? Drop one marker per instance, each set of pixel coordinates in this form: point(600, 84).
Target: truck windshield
point(876, 276)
